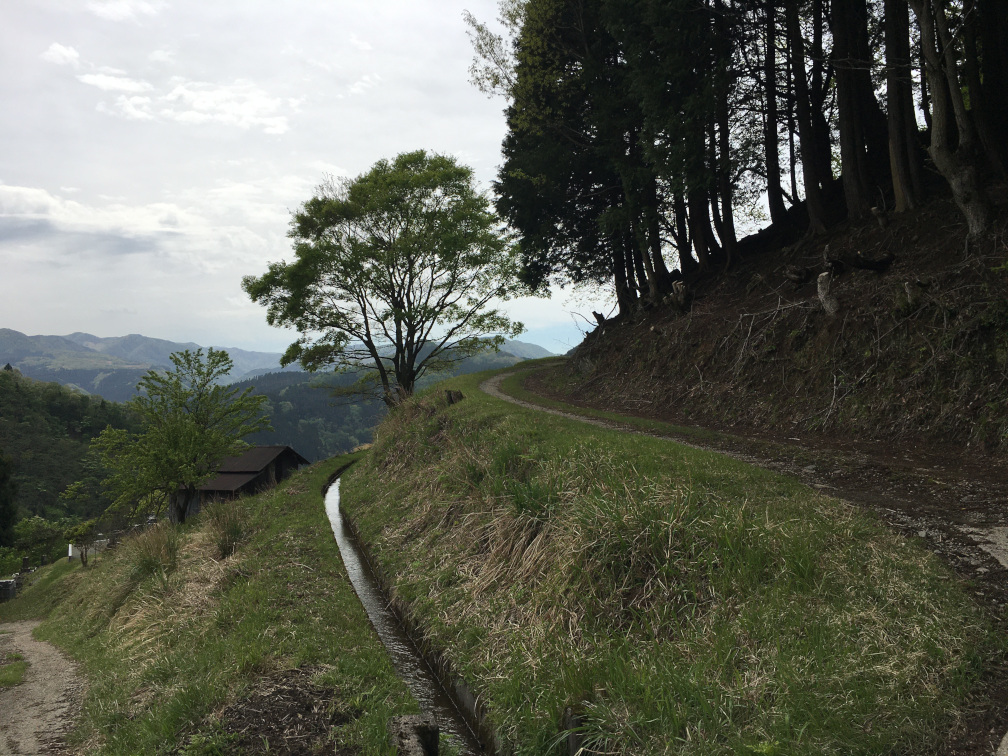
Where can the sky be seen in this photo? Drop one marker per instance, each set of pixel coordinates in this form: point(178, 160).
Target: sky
point(153, 150)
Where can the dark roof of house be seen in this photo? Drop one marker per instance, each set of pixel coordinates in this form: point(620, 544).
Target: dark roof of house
point(235, 472)
point(229, 481)
point(256, 459)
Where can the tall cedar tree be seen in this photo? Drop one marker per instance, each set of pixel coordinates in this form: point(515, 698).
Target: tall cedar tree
point(631, 122)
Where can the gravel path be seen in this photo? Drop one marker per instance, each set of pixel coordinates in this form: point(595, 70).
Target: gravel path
point(35, 715)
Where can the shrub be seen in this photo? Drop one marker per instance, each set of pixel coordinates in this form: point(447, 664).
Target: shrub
point(154, 552)
point(10, 561)
point(228, 524)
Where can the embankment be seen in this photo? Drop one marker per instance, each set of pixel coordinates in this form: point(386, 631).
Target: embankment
point(670, 598)
point(190, 649)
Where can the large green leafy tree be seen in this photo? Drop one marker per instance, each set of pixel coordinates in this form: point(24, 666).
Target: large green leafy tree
point(396, 270)
point(189, 424)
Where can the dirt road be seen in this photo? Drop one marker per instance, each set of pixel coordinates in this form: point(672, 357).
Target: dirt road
point(35, 715)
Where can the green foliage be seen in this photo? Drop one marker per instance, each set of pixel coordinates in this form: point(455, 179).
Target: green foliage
point(8, 508)
point(228, 523)
point(305, 415)
point(12, 670)
point(41, 540)
point(153, 553)
point(10, 560)
point(321, 415)
point(611, 102)
point(82, 535)
point(189, 423)
point(167, 659)
point(394, 271)
point(45, 429)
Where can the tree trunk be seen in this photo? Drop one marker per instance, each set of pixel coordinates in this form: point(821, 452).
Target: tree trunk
point(626, 251)
point(902, 144)
point(653, 220)
point(729, 239)
point(979, 106)
point(687, 265)
point(806, 134)
point(956, 165)
point(625, 301)
point(993, 26)
point(822, 139)
point(699, 222)
point(722, 116)
point(863, 141)
point(771, 145)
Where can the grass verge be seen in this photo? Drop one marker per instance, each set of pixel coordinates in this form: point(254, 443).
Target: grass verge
point(12, 670)
point(513, 384)
point(200, 639)
point(676, 600)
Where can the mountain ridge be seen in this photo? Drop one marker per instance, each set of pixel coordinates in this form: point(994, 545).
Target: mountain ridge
point(111, 366)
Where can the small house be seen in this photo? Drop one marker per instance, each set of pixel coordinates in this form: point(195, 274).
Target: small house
point(258, 469)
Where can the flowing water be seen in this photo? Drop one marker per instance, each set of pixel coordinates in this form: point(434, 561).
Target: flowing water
point(408, 662)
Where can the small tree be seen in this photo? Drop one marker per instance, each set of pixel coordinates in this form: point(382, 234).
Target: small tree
point(394, 271)
point(189, 424)
point(83, 536)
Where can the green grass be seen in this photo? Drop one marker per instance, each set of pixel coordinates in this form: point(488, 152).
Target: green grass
point(514, 385)
point(170, 632)
point(677, 600)
point(12, 670)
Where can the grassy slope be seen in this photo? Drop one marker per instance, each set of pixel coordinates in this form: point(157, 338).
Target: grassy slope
point(677, 600)
point(166, 649)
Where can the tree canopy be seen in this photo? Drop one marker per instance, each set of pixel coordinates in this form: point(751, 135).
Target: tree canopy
point(45, 430)
point(189, 424)
point(639, 129)
point(395, 270)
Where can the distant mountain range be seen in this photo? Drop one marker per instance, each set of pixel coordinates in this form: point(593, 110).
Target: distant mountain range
point(111, 367)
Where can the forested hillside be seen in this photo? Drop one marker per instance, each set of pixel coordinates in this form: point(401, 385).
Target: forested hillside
point(307, 417)
point(45, 429)
point(314, 414)
point(645, 139)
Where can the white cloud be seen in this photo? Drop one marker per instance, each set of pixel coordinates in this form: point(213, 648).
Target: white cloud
point(241, 104)
point(365, 83)
point(162, 56)
point(61, 55)
point(122, 10)
point(113, 217)
point(108, 83)
point(359, 43)
point(136, 108)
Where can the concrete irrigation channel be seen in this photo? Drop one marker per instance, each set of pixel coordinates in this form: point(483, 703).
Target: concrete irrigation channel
point(410, 664)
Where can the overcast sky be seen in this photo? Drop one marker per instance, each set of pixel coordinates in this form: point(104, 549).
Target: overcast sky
point(151, 151)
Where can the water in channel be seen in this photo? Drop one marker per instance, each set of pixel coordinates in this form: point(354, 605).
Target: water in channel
point(408, 662)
